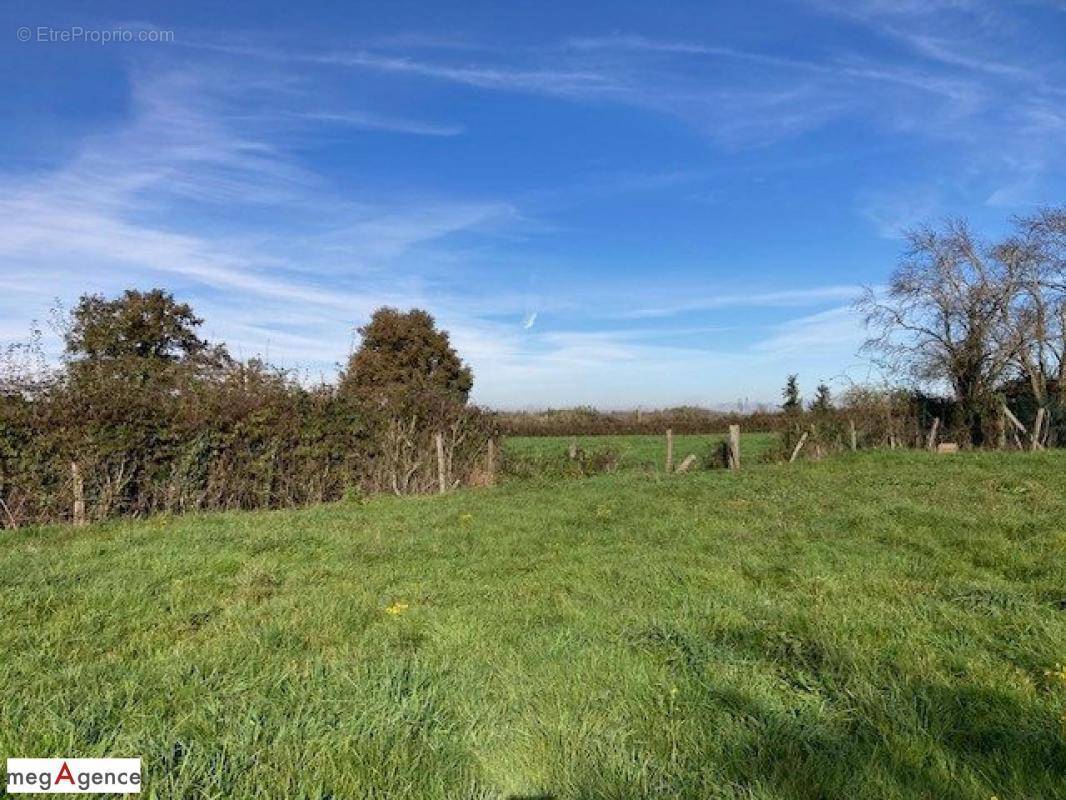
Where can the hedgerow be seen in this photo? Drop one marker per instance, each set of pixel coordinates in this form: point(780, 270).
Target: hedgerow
point(143, 417)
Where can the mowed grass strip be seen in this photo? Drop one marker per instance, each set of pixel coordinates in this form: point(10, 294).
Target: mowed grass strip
point(883, 625)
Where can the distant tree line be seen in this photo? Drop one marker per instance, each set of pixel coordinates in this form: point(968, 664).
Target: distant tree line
point(149, 418)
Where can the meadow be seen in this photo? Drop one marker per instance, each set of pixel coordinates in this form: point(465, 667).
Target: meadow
point(873, 625)
point(640, 451)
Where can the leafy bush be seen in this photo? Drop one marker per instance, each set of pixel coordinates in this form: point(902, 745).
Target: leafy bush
point(153, 419)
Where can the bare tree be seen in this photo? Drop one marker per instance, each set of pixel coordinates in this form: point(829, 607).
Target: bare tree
point(1035, 258)
point(944, 318)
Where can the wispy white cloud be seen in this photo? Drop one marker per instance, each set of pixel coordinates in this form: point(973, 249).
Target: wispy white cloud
point(838, 330)
point(391, 231)
point(779, 299)
point(495, 76)
point(949, 77)
point(118, 214)
point(895, 210)
point(563, 82)
point(836, 68)
point(381, 122)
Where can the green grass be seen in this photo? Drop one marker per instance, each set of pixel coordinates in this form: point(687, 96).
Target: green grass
point(641, 451)
point(870, 626)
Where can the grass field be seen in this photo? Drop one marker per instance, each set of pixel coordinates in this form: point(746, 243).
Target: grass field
point(879, 625)
point(641, 451)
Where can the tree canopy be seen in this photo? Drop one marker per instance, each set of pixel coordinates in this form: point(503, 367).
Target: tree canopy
point(137, 324)
point(973, 315)
point(403, 354)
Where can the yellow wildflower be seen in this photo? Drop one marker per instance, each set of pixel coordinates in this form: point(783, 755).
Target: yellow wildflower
point(396, 608)
point(1057, 674)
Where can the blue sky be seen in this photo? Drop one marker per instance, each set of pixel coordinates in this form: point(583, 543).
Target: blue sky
point(621, 205)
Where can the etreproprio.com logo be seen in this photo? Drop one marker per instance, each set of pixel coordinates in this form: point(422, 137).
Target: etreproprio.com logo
point(77, 34)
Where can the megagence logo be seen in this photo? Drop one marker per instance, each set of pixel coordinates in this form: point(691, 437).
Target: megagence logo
point(73, 776)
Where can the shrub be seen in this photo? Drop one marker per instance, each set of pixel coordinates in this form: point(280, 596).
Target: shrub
point(156, 419)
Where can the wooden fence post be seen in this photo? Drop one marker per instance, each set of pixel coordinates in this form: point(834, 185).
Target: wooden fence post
point(441, 477)
point(1014, 420)
point(1017, 426)
point(669, 450)
point(854, 436)
point(490, 458)
point(79, 494)
point(734, 447)
point(1001, 432)
point(930, 443)
point(799, 446)
point(10, 516)
point(573, 447)
point(1037, 428)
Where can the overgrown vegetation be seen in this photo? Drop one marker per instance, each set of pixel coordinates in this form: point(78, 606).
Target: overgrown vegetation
point(885, 625)
point(978, 318)
point(143, 417)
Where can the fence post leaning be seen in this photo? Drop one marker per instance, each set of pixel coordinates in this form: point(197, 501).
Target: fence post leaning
point(734, 447)
point(441, 477)
point(1014, 420)
point(79, 494)
point(799, 446)
point(669, 450)
point(1017, 426)
point(930, 443)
